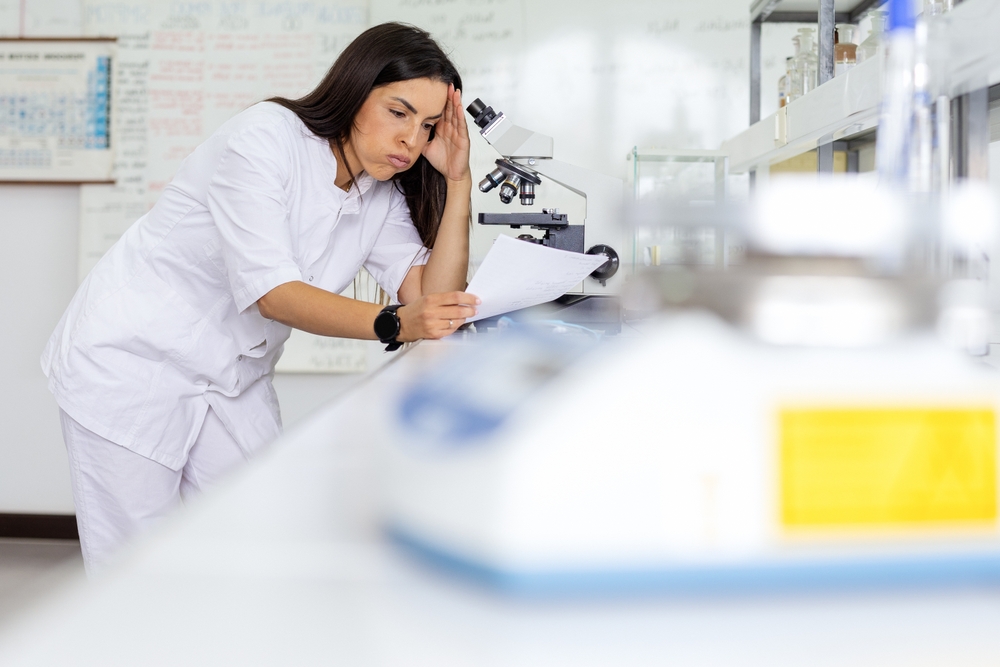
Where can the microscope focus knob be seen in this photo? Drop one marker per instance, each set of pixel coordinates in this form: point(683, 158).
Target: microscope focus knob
point(609, 268)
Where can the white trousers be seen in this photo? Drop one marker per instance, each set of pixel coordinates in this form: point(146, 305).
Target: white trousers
point(119, 494)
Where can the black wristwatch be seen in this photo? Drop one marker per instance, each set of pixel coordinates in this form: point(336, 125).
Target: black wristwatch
point(387, 327)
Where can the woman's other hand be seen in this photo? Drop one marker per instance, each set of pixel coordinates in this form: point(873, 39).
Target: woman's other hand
point(435, 315)
point(448, 152)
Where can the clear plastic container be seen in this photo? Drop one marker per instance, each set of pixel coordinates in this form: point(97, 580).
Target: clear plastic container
point(873, 44)
point(845, 51)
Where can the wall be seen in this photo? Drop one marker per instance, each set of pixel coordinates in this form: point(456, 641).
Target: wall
point(38, 249)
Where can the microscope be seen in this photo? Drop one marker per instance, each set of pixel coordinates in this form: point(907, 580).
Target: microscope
point(526, 159)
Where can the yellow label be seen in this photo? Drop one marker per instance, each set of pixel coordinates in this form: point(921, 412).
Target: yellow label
point(882, 467)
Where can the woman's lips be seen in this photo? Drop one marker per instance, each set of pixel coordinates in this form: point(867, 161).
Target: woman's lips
point(398, 161)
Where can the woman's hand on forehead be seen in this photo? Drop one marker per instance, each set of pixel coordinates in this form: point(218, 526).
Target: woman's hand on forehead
point(448, 152)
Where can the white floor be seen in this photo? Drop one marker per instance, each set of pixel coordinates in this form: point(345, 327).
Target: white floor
point(31, 569)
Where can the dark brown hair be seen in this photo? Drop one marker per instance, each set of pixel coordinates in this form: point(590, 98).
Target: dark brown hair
point(379, 56)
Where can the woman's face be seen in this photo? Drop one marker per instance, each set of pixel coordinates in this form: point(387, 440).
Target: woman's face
point(393, 126)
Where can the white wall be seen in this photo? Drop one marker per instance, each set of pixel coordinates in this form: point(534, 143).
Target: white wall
point(38, 249)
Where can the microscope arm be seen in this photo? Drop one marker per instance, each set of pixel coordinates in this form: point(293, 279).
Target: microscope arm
point(602, 194)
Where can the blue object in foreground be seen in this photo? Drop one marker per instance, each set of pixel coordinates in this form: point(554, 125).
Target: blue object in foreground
point(771, 576)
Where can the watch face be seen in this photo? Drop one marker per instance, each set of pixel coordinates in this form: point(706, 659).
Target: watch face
point(386, 325)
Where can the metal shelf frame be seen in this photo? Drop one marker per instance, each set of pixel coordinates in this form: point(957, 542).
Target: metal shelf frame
point(847, 107)
point(826, 17)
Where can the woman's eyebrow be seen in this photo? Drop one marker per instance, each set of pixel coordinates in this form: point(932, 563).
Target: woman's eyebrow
point(412, 109)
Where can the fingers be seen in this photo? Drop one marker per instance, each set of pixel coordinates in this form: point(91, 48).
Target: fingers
point(454, 117)
point(454, 298)
point(448, 326)
point(455, 312)
point(458, 108)
point(449, 108)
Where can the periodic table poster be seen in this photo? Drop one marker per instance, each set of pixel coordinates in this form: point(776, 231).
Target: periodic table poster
point(55, 110)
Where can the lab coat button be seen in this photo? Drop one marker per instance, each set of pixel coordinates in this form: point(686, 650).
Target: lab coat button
point(239, 358)
point(310, 278)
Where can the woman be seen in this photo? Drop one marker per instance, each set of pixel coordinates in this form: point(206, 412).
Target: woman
point(162, 363)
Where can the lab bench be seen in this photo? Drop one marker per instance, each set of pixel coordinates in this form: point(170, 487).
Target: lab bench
point(288, 564)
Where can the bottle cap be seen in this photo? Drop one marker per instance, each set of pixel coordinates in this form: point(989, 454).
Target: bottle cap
point(845, 33)
point(901, 15)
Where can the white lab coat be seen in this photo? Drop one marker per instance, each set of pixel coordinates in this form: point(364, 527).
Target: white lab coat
point(167, 324)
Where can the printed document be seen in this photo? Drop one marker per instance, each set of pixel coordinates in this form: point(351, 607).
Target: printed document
point(517, 274)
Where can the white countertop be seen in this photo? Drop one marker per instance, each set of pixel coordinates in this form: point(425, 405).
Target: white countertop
point(286, 565)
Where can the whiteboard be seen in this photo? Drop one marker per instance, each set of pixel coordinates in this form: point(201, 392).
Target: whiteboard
point(55, 110)
point(184, 69)
point(599, 77)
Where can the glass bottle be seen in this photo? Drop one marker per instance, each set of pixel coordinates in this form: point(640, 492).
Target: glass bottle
point(794, 74)
point(922, 132)
point(806, 60)
point(895, 127)
point(870, 47)
point(845, 50)
point(785, 84)
point(937, 7)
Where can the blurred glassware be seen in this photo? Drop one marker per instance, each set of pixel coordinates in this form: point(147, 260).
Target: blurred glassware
point(871, 45)
point(834, 262)
point(845, 50)
point(795, 85)
point(785, 83)
point(807, 62)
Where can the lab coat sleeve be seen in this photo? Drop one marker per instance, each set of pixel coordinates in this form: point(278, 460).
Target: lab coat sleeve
point(249, 204)
point(397, 248)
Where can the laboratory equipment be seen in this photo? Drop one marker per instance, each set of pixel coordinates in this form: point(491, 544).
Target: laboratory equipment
point(845, 51)
point(806, 60)
point(870, 47)
point(915, 121)
point(892, 156)
point(795, 85)
point(785, 83)
point(527, 156)
point(793, 422)
point(937, 7)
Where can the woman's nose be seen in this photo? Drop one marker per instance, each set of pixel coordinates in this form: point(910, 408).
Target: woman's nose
point(411, 136)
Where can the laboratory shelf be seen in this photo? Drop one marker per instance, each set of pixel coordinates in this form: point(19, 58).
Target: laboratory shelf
point(842, 108)
point(968, 35)
point(964, 57)
point(805, 11)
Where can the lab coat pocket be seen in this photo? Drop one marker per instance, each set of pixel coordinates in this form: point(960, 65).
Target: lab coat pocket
point(145, 318)
point(254, 335)
point(258, 350)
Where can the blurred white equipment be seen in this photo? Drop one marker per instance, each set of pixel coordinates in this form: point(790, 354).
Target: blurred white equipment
point(794, 421)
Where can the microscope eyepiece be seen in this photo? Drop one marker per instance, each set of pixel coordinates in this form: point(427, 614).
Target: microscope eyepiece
point(476, 107)
point(482, 115)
